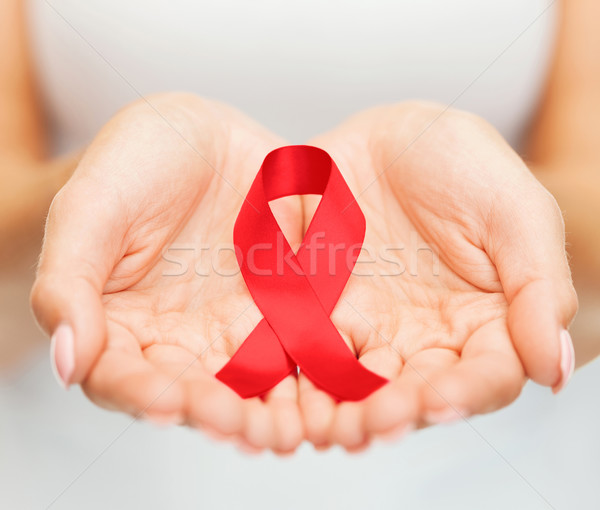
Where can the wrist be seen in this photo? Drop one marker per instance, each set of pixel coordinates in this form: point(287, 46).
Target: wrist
point(30, 186)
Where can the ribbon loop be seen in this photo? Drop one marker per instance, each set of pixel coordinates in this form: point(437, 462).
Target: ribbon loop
point(298, 295)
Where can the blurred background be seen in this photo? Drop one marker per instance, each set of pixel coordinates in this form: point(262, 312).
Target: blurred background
point(299, 68)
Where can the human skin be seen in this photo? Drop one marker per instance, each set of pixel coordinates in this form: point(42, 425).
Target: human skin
point(30, 179)
point(459, 337)
point(148, 342)
point(562, 150)
point(33, 179)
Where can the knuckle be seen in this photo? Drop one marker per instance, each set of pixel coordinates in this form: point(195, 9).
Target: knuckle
point(58, 206)
point(39, 298)
point(420, 105)
point(155, 108)
point(464, 123)
point(464, 128)
point(445, 114)
point(571, 301)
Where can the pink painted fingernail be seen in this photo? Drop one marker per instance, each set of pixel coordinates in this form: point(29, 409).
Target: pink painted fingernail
point(448, 415)
point(62, 354)
point(567, 360)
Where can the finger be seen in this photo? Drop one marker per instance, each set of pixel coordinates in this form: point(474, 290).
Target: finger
point(82, 242)
point(124, 380)
point(258, 424)
point(220, 411)
point(395, 409)
point(288, 213)
point(245, 447)
point(309, 205)
point(527, 245)
point(209, 405)
point(283, 403)
point(318, 409)
point(488, 376)
point(348, 428)
point(214, 407)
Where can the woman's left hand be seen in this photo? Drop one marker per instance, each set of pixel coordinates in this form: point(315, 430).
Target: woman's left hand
point(463, 287)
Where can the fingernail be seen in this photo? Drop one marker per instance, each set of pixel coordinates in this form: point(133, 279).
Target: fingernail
point(396, 433)
point(62, 354)
point(567, 360)
point(444, 416)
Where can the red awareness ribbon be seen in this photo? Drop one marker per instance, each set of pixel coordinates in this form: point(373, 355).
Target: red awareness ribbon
point(297, 293)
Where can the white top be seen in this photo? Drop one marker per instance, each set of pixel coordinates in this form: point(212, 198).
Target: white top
point(299, 68)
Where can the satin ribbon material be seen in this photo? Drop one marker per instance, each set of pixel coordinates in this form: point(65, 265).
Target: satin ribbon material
point(297, 293)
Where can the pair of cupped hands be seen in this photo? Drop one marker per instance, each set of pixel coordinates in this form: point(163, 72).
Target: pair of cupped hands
point(480, 301)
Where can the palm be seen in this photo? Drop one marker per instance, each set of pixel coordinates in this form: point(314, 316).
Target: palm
point(424, 306)
point(462, 246)
point(176, 306)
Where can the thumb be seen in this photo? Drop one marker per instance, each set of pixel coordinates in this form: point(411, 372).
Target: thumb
point(81, 246)
point(528, 250)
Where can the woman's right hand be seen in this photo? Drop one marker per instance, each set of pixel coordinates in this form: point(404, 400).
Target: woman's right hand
point(133, 320)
